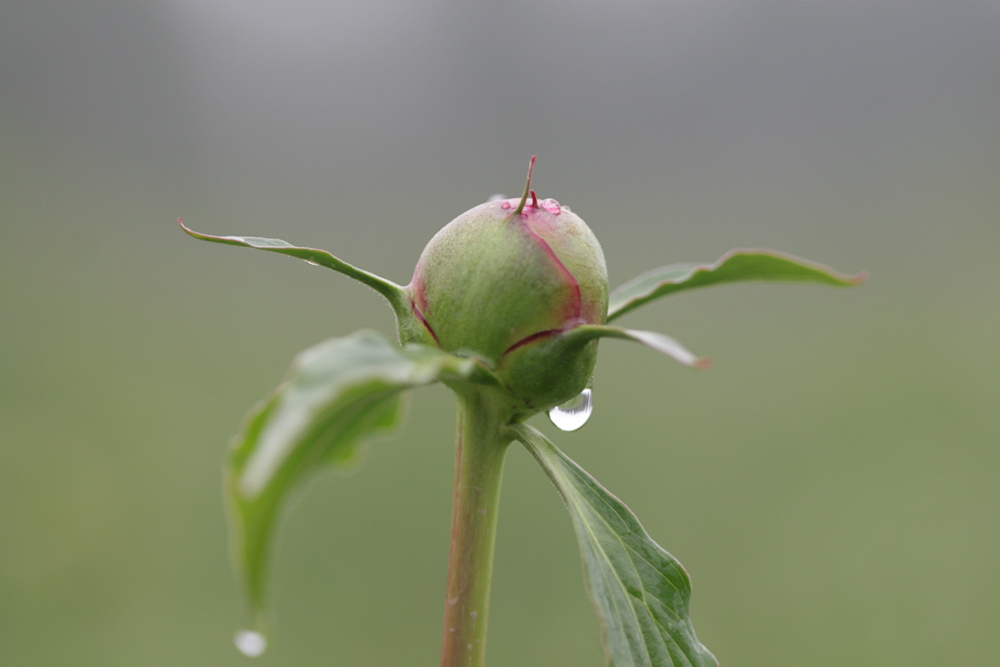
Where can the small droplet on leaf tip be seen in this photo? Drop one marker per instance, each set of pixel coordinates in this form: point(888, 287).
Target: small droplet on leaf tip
point(249, 643)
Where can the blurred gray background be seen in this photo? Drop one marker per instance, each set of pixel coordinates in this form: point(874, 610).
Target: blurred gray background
point(831, 484)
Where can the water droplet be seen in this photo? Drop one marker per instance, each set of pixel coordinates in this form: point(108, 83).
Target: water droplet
point(313, 263)
point(249, 643)
point(552, 206)
point(574, 413)
point(506, 205)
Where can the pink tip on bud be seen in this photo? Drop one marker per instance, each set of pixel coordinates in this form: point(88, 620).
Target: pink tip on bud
point(534, 200)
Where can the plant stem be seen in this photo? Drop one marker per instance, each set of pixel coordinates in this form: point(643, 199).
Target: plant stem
point(480, 449)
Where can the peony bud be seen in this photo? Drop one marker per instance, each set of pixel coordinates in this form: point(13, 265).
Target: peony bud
point(503, 281)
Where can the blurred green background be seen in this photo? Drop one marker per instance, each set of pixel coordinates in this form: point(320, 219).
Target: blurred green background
point(832, 484)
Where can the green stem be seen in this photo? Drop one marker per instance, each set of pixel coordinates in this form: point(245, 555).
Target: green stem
point(481, 446)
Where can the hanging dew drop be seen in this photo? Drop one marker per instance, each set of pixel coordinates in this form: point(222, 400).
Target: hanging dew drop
point(249, 643)
point(574, 413)
point(312, 263)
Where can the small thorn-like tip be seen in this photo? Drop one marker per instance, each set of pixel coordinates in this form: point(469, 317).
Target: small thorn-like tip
point(859, 278)
point(534, 199)
point(703, 364)
point(527, 188)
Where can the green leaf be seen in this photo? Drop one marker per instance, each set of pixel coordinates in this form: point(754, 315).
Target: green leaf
point(657, 341)
point(734, 266)
point(394, 293)
point(641, 592)
point(338, 393)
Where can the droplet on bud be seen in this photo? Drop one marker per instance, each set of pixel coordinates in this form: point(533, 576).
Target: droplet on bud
point(506, 205)
point(574, 413)
point(552, 206)
point(249, 643)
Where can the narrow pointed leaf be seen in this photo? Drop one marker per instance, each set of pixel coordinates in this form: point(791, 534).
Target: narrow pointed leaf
point(390, 290)
point(338, 393)
point(734, 266)
point(640, 591)
point(656, 341)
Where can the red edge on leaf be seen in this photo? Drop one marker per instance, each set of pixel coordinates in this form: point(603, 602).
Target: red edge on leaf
point(197, 235)
point(548, 333)
point(420, 316)
point(418, 300)
point(576, 300)
point(532, 338)
point(859, 278)
point(856, 279)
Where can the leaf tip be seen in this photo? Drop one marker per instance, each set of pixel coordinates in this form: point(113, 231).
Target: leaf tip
point(857, 279)
point(189, 231)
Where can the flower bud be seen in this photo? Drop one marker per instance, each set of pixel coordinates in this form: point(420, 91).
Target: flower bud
point(502, 281)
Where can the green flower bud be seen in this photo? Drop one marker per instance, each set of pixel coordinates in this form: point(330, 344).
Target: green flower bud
point(503, 281)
